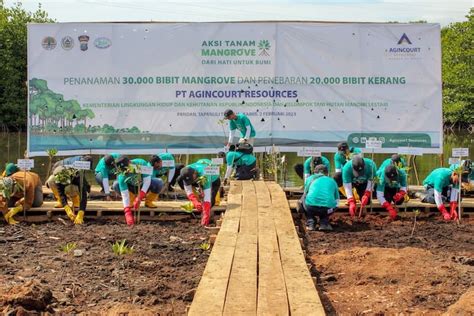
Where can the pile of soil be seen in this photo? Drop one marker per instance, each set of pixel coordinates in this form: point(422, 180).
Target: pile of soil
point(372, 266)
point(159, 277)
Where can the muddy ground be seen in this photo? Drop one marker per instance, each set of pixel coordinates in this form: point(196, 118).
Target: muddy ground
point(158, 278)
point(377, 268)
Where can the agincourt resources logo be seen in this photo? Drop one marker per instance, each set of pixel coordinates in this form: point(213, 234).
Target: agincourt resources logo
point(404, 48)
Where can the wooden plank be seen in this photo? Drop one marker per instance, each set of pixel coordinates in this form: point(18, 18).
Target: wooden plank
point(272, 298)
point(231, 221)
point(241, 296)
point(303, 297)
point(413, 203)
point(114, 206)
point(212, 290)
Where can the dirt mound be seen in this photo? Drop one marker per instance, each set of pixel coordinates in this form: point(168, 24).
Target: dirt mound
point(388, 281)
point(31, 296)
point(465, 305)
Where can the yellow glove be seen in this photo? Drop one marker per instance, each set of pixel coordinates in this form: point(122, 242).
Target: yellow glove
point(79, 218)
point(70, 213)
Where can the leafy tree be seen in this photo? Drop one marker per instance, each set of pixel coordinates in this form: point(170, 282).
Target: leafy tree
point(13, 90)
point(458, 71)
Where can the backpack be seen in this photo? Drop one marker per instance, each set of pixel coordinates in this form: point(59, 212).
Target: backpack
point(244, 148)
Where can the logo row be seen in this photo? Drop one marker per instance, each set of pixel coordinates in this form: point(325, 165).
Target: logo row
point(67, 42)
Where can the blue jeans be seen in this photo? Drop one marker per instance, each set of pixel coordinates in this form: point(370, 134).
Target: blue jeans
point(156, 186)
point(99, 178)
point(320, 211)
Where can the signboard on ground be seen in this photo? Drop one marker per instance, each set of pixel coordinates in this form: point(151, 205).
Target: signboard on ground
point(25, 164)
point(212, 170)
point(460, 152)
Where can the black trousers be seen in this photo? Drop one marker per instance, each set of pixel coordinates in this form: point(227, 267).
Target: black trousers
point(389, 193)
point(244, 172)
point(177, 172)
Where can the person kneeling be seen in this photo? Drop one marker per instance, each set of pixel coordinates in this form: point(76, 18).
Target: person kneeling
point(14, 196)
point(245, 165)
point(133, 185)
point(391, 188)
point(66, 182)
point(320, 198)
point(194, 175)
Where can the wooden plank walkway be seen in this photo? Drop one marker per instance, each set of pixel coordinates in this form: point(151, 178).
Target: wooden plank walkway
point(257, 266)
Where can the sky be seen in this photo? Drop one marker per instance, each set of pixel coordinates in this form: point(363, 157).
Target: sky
point(433, 11)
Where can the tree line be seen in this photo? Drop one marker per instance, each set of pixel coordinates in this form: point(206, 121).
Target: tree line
point(457, 75)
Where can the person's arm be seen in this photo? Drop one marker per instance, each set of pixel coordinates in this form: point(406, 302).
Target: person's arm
point(381, 197)
point(171, 173)
point(105, 184)
point(231, 136)
point(337, 163)
point(306, 169)
point(247, 131)
point(438, 197)
point(146, 183)
point(228, 172)
point(454, 195)
point(348, 189)
point(105, 180)
point(192, 197)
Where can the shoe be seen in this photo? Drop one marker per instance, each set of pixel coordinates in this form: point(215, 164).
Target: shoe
point(299, 207)
point(310, 225)
point(325, 227)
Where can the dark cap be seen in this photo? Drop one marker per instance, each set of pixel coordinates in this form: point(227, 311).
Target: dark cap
point(358, 165)
point(228, 113)
point(396, 158)
point(86, 158)
point(467, 166)
point(391, 172)
point(221, 154)
point(343, 146)
point(187, 175)
point(123, 162)
point(317, 161)
point(109, 160)
point(321, 169)
point(154, 159)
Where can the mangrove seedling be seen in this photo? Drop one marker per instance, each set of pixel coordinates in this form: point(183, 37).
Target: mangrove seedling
point(67, 248)
point(205, 246)
point(416, 212)
point(120, 248)
point(52, 152)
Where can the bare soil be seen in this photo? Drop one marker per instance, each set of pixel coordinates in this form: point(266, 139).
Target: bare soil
point(158, 278)
point(375, 267)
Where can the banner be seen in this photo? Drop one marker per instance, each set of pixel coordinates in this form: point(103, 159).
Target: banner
point(153, 87)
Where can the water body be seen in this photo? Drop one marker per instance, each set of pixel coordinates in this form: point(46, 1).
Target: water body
point(13, 146)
